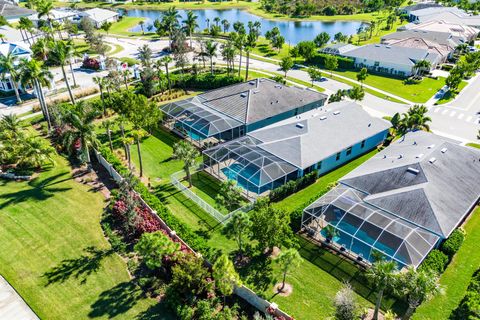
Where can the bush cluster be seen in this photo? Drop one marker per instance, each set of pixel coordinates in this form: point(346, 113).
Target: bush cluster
point(469, 306)
point(204, 81)
point(343, 63)
point(183, 231)
point(91, 63)
point(293, 186)
point(435, 261)
point(453, 243)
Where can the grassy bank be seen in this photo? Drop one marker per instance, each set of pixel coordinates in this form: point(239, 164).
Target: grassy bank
point(54, 252)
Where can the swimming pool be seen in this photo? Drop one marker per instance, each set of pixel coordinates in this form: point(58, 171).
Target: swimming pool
point(344, 238)
point(246, 177)
point(188, 131)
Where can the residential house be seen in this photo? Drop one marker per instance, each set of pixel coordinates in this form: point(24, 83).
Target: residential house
point(12, 12)
point(232, 111)
point(56, 15)
point(457, 30)
point(441, 43)
point(321, 140)
point(449, 15)
point(393, 60)
point(401, 203)
point(20, 50)
point(426, 14)
point(418, 6)
point(100, 16)
point(338, 49)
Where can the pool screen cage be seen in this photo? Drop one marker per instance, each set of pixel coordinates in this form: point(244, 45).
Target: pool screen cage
point(199, 123)
point(254, 169)
point(361, 229)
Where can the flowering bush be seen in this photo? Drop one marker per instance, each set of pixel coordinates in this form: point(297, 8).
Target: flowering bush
point(91, 63)
point(146, 222)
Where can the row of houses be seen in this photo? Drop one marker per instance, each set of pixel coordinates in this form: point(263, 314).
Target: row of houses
point(12, 12)
point(401, 203)
point(433, 35)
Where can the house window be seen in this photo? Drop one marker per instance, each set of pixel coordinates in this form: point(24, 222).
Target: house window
point(376, 64)
point(362, 145)
point(338, 156)
point(319, 165)
point(349, 151)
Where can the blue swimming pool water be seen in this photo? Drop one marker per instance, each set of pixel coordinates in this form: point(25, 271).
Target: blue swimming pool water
point(245, 176)
point(345, 239)
point(192, 134)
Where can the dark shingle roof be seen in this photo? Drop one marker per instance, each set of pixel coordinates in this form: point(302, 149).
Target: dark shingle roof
point(10, 10)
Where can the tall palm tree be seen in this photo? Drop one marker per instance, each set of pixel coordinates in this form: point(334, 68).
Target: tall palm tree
point(145, 55)
point(79, 119)
point(216, 20)
point(41, 48)
point(100, 82)
point(188, 154)
point(44, 9)
point(107, 124)
point(422, 66)
point(37, 74)
point(120, 121)
point(250, 43)
point(239, 42)
point(211, 51)
point(61, 52)
point(126, 74)
point(228, 53)
point(190, 24)
point(170, 21)
point(226, 25)
point(137, 135)
point(9, 69)
point(166, 60)
point(382, 275)
point(71, 52)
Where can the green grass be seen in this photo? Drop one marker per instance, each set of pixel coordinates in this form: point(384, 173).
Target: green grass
point(474, 145)
point(126, 23)
point(417, 93)
point(456, 278)
point(46, 227)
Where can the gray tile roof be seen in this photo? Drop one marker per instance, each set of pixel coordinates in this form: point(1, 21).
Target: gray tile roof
point(423, 178)
point(11, 11)
point(258, 99)
point(338, 48)
point(390, 54)
point(318, 134)
point(420, 6)
point(442, 38)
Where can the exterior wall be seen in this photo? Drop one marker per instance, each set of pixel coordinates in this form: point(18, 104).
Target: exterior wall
point(279, 117)
point(331, 162)
point(394, 69)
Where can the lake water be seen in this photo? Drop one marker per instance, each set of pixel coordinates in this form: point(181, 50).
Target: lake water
point(293, 31)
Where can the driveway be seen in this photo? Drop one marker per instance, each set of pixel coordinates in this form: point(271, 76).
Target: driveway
point(12, 306)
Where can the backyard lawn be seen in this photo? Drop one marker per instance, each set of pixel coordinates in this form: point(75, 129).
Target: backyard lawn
point(54, 253)
point(456, 278)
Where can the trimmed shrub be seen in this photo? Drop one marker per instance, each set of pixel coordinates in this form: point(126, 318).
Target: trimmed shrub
point(343, 63)
point(204, 81)
point(435, 261)
point(293, 186)
point(453, 243)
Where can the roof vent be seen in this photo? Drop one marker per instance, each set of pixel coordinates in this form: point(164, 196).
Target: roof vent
point(243, 95)
point(252, 83)
point(388, 47)
point(419, 156)
point(432, 160)
point(413, 170)
point(400, 156)
point(278, 86)
point(256, 91)
point(336, 112)
point(262, 80)
point(431, 146)
point(299, 125)
point(323, 118)
point(444, 150)
point(377, 45)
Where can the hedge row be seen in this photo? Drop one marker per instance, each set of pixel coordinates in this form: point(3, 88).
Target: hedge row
point(293, 186)
point(469, 307)
point(196, 242)
point(453, 243)
point(204, 81)
point(437, 260)
point(343, 63)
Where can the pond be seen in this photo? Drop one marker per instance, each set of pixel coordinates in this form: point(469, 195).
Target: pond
point(293, 31)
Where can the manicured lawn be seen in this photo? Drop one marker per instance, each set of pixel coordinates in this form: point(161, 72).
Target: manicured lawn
point(418, 93)
point(123, 26)
point(456, 278)
point(54, 253)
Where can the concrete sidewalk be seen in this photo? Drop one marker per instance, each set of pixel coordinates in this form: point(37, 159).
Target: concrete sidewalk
point(12, 306)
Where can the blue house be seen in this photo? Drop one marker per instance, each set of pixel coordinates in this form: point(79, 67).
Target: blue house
point(232, 111)
point(321, 140)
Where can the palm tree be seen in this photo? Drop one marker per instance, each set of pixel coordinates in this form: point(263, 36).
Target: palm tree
point(34, 72)
point(107, 124)
point(422, 66)
point(137, 135)
point(415, 119)
point(382, 275)
point(79, 119)
point(71, 52)
point(250, 43)
point(141, 23)
point(127, 142)
point(11, 123)
point(61, 52)
point(100, 81)
point(44, 9)
point(187, 153)
point(211, 51)
point(190, 24)
point(417, 287)
point(145, 55)
point(35, 152)
point(126, 74)
point(9, 68)
point(226, 25)
point(170, 21)
point(216, 20)
point(166, 60)
point(228, 54)
point(239, 42)
point(120, 121)
point(41, 48)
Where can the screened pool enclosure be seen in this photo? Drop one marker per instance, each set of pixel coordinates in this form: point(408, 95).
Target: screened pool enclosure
point(194, 121)
point(254, 169)
point(343, 218)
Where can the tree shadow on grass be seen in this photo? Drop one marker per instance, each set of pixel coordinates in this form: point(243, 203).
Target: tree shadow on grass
point(40, 189)
point(116, 300)
point(158, 311)
point(258, 272)
point(78, 268)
